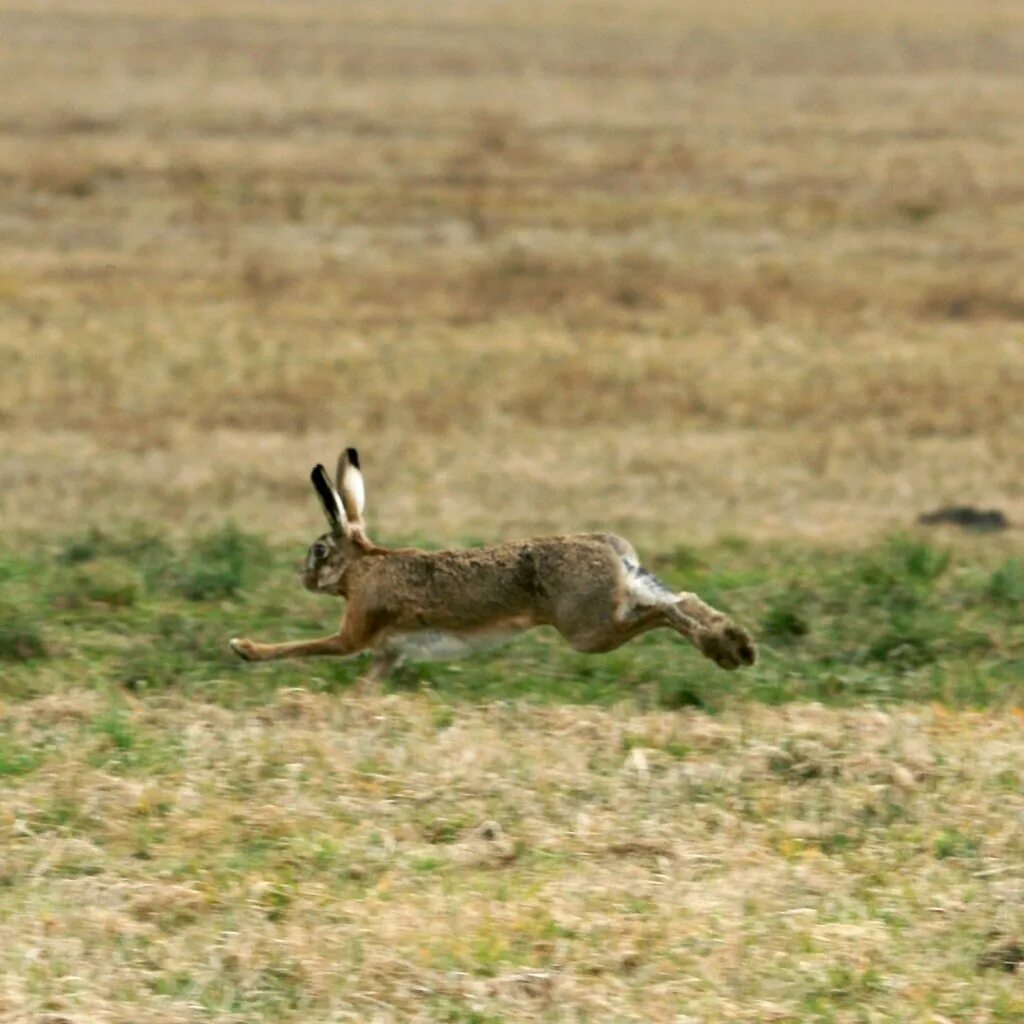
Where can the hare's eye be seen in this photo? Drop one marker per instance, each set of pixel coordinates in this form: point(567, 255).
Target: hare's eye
point(320, 550)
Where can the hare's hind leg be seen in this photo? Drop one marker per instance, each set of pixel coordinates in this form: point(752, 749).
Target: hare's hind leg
point(613, 609)
point(603, 620)
point(723, 640)
point(631, 601)
point(713, 634)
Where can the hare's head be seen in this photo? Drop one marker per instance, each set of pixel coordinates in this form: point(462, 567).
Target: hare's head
point(331, 554)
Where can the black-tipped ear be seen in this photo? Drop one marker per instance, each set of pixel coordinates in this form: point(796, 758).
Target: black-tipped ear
point(351, 487)
point(333, 508)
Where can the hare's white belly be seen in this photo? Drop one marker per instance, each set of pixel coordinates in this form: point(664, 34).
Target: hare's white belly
point(440, 645)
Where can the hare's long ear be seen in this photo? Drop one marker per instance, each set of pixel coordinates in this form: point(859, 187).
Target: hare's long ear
point(351, 487)
point(329, 498)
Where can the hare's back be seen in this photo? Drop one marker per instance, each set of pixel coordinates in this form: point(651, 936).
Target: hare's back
point(522, 581)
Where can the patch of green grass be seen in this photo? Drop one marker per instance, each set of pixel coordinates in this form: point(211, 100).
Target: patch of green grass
point(444, 718)
point(63, 812)
point(175, 648)
point(108, 582)
point(118, 742)
point(685, 690)
point(16, 568)
point(220, 564)
point(786, 619)
point(148, 554)
point(446, 1010)
point(115, 727)
point(903, 620)
point(16, 758)
point(21, 635)
point(1006, 584)
point(841, 985)
point(135, 543)
point(952, 843)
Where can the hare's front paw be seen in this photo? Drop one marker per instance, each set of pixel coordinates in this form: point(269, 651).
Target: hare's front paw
point(728, 645)
point(245, 649)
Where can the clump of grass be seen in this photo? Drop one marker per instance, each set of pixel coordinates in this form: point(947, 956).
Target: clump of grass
point(137, 544)
point(107, 568)
point(109, 582)
point(786, 618)
point(83, 547)
point(902, 571)
point(115, 727)
point(680, 693)
point(99, 558)
point(1006, 584)
point(219, 564)
point(953, 843)
point(148, 665)
point(11, 568)
point(909, 642)
point(887, 608)
point(176, 649)
point(16, 759)
point(799, 760)
point(264, 277)
point(21, 637)
point(893, 622)
point(117, 740)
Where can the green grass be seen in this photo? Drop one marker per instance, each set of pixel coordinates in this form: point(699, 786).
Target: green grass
point(183, 833)
point(21, 637)
point(905, 620)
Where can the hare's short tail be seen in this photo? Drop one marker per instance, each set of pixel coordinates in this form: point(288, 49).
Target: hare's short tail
point(648, 587)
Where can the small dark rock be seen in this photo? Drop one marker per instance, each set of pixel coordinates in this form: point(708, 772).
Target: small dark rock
point(967, 517)
point(1006, 957)
point(490, 830)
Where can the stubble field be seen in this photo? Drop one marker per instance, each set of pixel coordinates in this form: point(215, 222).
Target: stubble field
point(742, 284)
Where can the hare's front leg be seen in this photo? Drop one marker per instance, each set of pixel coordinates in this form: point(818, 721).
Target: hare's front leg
point(358, 632)
point(337, 645)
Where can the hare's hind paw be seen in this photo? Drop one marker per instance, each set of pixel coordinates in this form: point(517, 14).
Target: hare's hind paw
point(728, 646)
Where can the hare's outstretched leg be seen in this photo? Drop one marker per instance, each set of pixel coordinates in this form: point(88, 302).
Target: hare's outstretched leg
point(338, 645)
point(723, 638)
point(724, 650)
point(692, 606)
point(717, 638)
point(649, 604)
point(713, 634)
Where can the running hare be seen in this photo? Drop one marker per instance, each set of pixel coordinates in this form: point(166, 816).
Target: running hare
point(442, 604)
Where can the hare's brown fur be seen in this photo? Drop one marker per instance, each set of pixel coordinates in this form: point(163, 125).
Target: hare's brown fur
point(405, 602)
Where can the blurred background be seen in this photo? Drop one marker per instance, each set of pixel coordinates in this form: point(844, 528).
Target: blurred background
point(741, 281)
point(679, 269)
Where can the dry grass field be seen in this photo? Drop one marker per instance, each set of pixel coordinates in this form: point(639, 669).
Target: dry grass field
point(743, 282)
point(368, 860)
point(686, 269)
